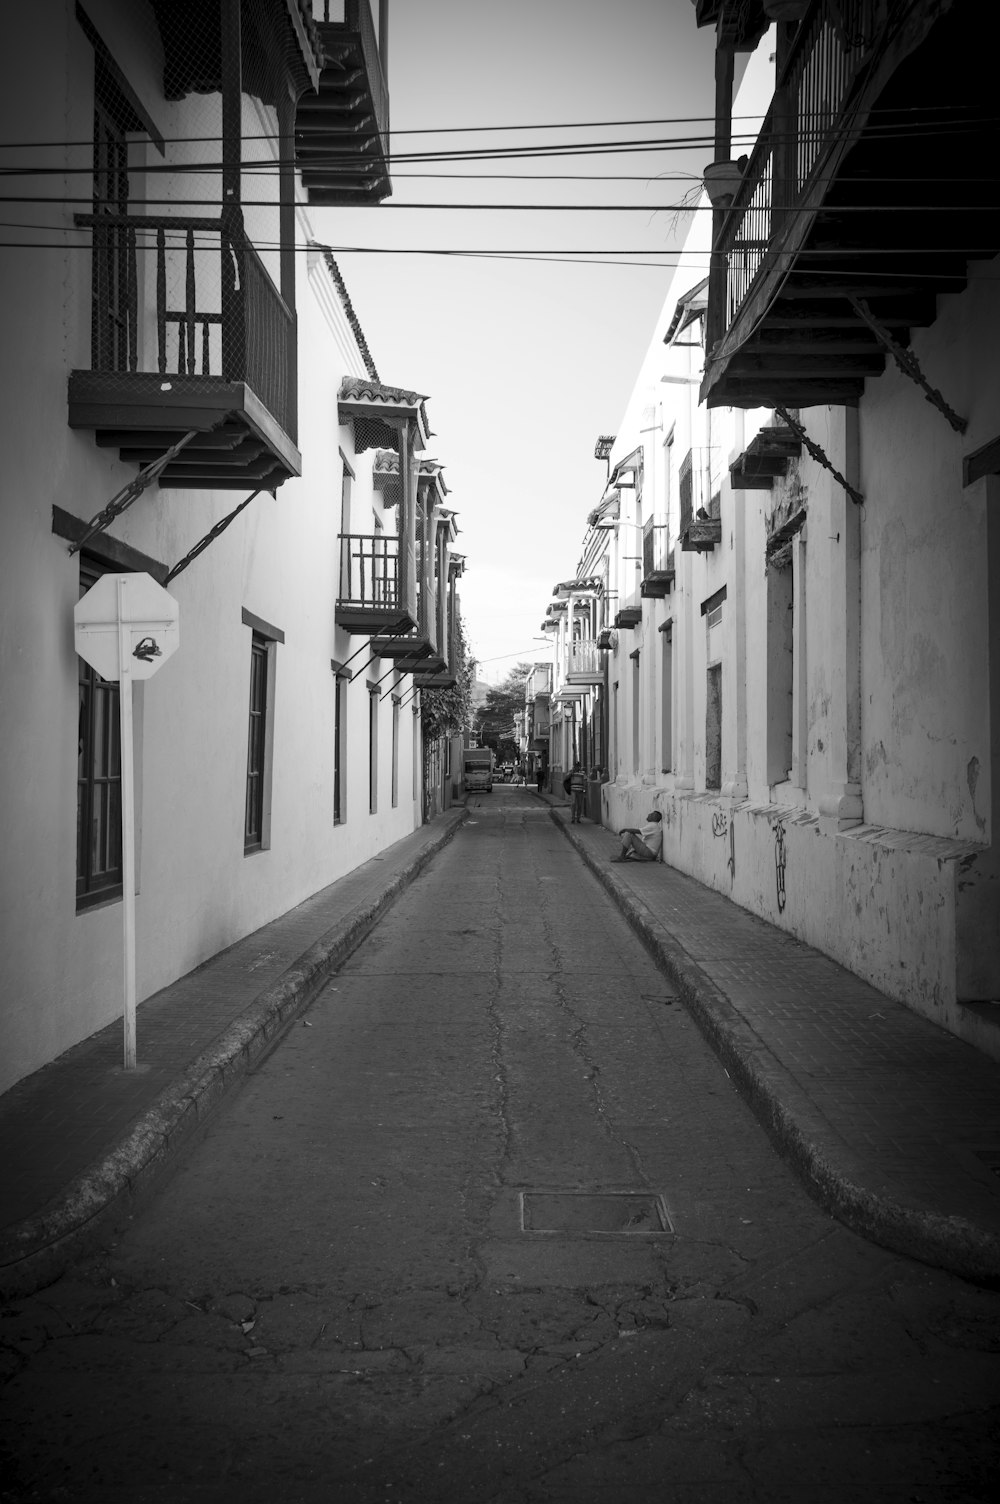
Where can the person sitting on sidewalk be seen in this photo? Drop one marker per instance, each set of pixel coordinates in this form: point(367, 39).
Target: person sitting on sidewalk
point(644, 845)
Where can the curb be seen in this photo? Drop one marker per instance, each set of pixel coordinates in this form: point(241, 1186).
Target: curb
point(37, 1251)
point(831, 1171)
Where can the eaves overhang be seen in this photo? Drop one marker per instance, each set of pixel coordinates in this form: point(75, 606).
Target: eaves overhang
point(378, 412)
point(589, 585)
point(625, 471)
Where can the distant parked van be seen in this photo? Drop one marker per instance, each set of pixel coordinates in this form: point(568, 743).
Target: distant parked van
point(478, 770)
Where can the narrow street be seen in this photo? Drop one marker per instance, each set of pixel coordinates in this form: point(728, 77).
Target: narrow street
point(491, 1225)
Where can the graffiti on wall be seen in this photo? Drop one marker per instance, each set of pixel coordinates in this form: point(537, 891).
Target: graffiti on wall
point(722, 826)
point(779, 862)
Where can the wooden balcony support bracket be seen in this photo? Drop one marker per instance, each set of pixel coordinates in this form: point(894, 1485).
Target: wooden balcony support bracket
point(383, 639)
point(907, 363)
point(124, 498)
point(818, 455)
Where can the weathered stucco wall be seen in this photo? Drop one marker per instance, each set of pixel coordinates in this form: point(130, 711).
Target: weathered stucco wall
point(880, 902)
point(925, 710)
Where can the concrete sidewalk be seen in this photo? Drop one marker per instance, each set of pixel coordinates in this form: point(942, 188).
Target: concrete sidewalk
point(83, 1138)
point(893, 1123)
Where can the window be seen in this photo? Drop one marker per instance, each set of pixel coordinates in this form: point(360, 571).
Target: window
point(257, 743)
point(613, 770)
point(395, 751)
point(780, 672)
point(372, 748)
point(260, 733)
point(711, 610)
point(346, 491)
point(713, 728)
point(668, 476)
point(635, 710)
point(666, 697)
point(112, 268)
point(340, 683)
point(98, 777)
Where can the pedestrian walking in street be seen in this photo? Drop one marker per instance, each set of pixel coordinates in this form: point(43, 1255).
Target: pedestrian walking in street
point(540, 776)
point(642, 845)
point(578, 792)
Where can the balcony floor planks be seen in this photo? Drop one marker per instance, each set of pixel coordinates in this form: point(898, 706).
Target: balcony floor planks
point(243, 442)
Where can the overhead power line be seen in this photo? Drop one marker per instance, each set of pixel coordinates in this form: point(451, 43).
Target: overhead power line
point(920, 111)
point(921, 128)
point(549, 208)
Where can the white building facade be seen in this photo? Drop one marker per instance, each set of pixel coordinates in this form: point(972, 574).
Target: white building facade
point(158, 323)
point(800, 537)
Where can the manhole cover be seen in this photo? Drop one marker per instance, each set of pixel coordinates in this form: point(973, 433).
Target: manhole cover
point(615, 1213)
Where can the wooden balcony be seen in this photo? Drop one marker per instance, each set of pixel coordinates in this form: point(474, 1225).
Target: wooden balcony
point(700, 528)
point(193, 346)
point(766, 457)
point(372, 597)
point(870, 183)
point(583, 666)
point(657, 561)
point(342, 130)
point(412, 652)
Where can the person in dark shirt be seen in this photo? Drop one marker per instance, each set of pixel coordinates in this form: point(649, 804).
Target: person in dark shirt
point(578, 792)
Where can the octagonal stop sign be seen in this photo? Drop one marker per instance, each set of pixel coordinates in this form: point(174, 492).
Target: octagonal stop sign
point(145, 611)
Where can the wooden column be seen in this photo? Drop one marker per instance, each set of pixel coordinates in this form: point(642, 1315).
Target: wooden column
point(231, 43)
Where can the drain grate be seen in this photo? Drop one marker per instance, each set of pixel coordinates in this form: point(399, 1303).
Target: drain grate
point(594, 1213)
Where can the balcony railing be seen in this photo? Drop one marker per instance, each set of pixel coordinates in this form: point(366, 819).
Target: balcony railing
point(369, 572)
point(700, 525)
point(211, 309)
point(830, 49)
point(583, 663)
point(657, 563)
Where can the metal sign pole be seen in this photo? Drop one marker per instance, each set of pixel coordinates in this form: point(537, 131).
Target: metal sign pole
point(126, 627)
point(128, 826)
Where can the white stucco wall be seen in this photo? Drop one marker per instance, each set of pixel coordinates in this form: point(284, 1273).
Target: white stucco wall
point(880, 838)
point(197, 891)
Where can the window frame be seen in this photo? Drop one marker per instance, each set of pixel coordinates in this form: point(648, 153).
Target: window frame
point(341, 679)
point(105, 886)
point(264, 641)
point(373, 697)
point(395, 751)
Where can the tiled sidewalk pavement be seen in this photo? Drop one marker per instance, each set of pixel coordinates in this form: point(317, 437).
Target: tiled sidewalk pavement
point(82, 1134)
point(893, 1122)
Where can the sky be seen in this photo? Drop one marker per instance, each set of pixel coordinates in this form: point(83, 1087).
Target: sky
point(526, 362)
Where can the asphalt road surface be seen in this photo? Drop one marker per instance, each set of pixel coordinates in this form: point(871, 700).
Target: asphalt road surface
point(492, 1226)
